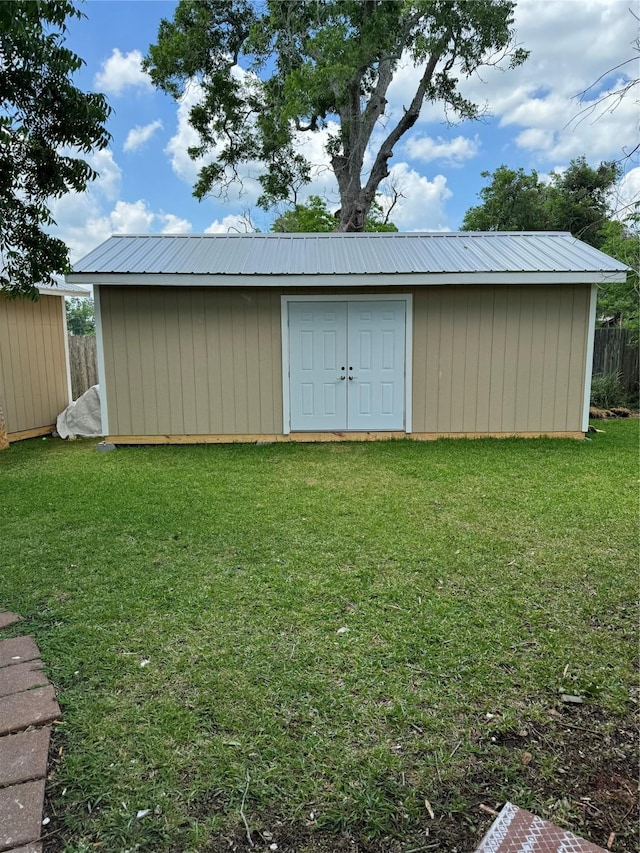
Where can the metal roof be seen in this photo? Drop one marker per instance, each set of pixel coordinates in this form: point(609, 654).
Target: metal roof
point(62, 288)
point(337, 254)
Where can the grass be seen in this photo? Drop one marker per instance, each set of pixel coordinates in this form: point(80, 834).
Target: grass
point(304, 643)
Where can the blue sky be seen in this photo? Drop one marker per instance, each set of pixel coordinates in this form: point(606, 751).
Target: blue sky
point(146, 175)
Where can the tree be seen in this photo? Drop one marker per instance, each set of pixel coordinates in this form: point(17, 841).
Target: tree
point(44, 121)
point(80, 316)
point(323, 61)
point(619, 302)
point(314, 217)
point(576, 200)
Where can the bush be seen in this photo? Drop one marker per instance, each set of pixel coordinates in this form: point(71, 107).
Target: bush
point(607, 391)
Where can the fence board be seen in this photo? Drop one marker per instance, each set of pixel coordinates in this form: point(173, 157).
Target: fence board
point(83, 362)
point(614, 351)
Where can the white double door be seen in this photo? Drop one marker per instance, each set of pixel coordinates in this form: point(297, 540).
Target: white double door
point(347, 365)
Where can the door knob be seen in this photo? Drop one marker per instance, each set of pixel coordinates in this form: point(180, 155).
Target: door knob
point(352, 377)
point(343, 378)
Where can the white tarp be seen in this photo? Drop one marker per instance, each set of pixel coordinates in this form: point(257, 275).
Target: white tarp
point(82, 417)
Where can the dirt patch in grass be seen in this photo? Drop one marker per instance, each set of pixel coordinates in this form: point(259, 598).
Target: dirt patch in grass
point(578, 770)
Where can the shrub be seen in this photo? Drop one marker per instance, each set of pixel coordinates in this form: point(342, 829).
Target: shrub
point(607, 391)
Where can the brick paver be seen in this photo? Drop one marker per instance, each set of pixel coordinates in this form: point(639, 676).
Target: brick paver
point(17, 650)
point(23, 756)
point(22, 676)
point(8, 618)
point(29, 708)
point(21, 814)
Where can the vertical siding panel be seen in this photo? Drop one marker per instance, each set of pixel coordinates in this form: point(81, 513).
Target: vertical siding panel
point(200, 367)
point(540, 298)
point(175, 420)
point(265, 363)
point(121, 358)
point(148, 404)
point(525, 342)
point(510, 383)
point(471, 360)
point(158, 333)
point(240, 371)
point(250, 309)
point(420, 367)
point(483, 374)
point(187, 361)
point(5, 361)
point(227, 384)
point(579, 322)
point(58, 399)
point(436, 297)
point(214, 364)
point(10, 360)
point(551, 365)
point(39, 358)
point(460, 297)
point(445, 360)
point(22, 335)
point(497, 359)
point(561, 386)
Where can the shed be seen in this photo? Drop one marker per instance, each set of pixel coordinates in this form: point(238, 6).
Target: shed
point(35, 383)
point(285, 337)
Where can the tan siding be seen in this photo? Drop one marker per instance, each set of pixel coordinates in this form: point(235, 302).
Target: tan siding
point(197, 361)
point(33, 363)
point(507, 359)
point(208, 362)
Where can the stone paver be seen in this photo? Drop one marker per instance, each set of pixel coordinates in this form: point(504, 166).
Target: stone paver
point(30, 848)
point(17, 650)
point(21, 814)
point(8, 618)
point(29, 708)
point(22, 676)
point(23, 756)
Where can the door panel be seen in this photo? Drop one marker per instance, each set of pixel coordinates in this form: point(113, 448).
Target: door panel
point(376, 352)
point(317, 351)
point(362, 341)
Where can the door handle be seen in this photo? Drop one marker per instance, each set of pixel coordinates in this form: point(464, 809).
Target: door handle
point(342, 378)
point(352, 377)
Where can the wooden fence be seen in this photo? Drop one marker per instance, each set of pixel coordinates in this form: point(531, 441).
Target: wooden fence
point(615, 351)
point(83, 362)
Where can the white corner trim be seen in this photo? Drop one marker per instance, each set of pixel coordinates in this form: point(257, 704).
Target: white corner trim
point(588, 368)
point(67, 359)
point(104, 414)
point(345, 297)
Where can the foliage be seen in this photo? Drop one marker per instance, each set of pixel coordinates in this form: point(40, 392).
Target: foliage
point(607, 391)
point(81, 318)
point(475, 578)
point(314, 217)
point(43, 117)
point(619, 302)
point(577, 200)
point(311, 64)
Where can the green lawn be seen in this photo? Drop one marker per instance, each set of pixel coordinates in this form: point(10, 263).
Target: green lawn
point(303, 643)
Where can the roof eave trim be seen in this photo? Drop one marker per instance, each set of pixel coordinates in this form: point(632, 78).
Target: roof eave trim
point(346, 280)
point(62, 291)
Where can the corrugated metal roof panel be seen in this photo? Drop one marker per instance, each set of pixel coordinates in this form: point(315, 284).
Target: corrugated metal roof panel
point(345, 254)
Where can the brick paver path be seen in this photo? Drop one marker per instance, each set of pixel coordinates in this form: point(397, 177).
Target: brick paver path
point(27, 706)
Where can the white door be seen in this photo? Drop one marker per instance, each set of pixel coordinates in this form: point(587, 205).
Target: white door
point(347, 365)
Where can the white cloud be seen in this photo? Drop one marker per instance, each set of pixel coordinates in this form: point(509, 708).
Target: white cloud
point(140, 135)
point(109, 178)
point(231, 223)
point(122, 71)
point(174, 224)
point(131, 217)
point(421, 206)
point(627, 192)
point(452, 151)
